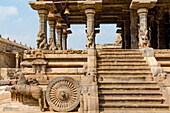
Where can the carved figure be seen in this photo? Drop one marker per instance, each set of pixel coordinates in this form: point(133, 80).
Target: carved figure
point(86, 82)
point(41, 41)
point(52, 45)
point(90, 38)
point(143, 40)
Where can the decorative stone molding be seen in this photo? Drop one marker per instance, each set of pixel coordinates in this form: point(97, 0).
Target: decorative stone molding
point(63, 94)
point(32, 52)
point(39, 66)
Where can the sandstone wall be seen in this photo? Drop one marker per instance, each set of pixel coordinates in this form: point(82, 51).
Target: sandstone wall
point(7, 60)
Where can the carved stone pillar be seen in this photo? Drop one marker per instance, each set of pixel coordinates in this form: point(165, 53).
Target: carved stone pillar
point(143, 32)
point(64, 41)
point(42, 35)
point(134, 29)
point(90, 28)
point(59, 40)
point(52, 39)
point(17, 60)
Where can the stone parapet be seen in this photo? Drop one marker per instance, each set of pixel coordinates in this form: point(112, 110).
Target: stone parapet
point(12, 45)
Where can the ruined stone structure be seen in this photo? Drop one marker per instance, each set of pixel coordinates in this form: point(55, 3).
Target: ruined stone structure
point(10, 55)
point(134, 79)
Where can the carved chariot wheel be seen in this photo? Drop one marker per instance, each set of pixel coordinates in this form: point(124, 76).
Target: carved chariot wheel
point(63, 94)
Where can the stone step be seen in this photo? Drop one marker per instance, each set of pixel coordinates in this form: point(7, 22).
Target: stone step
point(119, 57)
point(112, 73)
point(166, 69)
point(119, 53)
point(164, 63)
point(127, 83)
point(132, 88)
point(135, 111)
point(124, 69)
point(133, 93)
point(124, 78)
point(121, 60)
point(130, 100)
point(122, 64)
point(162, 55)
point(122, 56)
point(115, 106)
point(130, 95)
point(117, 50)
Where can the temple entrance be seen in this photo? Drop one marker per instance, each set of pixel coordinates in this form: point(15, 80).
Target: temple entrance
point(107, 34)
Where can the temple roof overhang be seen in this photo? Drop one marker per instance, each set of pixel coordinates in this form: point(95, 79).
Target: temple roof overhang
point(110, 11)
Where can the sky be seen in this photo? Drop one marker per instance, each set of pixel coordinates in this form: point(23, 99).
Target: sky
point(21, 23)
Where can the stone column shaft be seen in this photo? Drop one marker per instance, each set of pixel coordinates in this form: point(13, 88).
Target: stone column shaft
point(134, 29)
point(64, 41)
point(43, 22)
point(90, 28)
point(59, 40)
point(143, 32)
point(17, 60)
point(52, 24)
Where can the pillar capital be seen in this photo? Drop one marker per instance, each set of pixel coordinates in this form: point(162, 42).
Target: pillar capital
point(40, 5)
point(136, 4)
point(90, 11)
point(97, 5)
point(142, 11)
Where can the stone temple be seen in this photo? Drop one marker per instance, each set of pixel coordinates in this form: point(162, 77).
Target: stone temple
point(131, 76)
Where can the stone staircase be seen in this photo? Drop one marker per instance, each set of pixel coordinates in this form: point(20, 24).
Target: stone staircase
point(126, 85)
point(163, 58)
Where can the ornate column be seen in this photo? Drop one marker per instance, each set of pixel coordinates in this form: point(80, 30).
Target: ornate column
point(143, 32)
point(17, 60)
point(134, 29)
point(142, 7)
point(52, 38)
point(64, 41)
point(42, 35)
point(90, 28)
point(59, 35)
point(43, 8)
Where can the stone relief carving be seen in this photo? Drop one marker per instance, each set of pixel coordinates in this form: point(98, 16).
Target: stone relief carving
point(63, 94)
point(90, 37)
point(143, 41)
point(41, 41)
point(87, 81)
point(33, 52)
point(52, 45)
